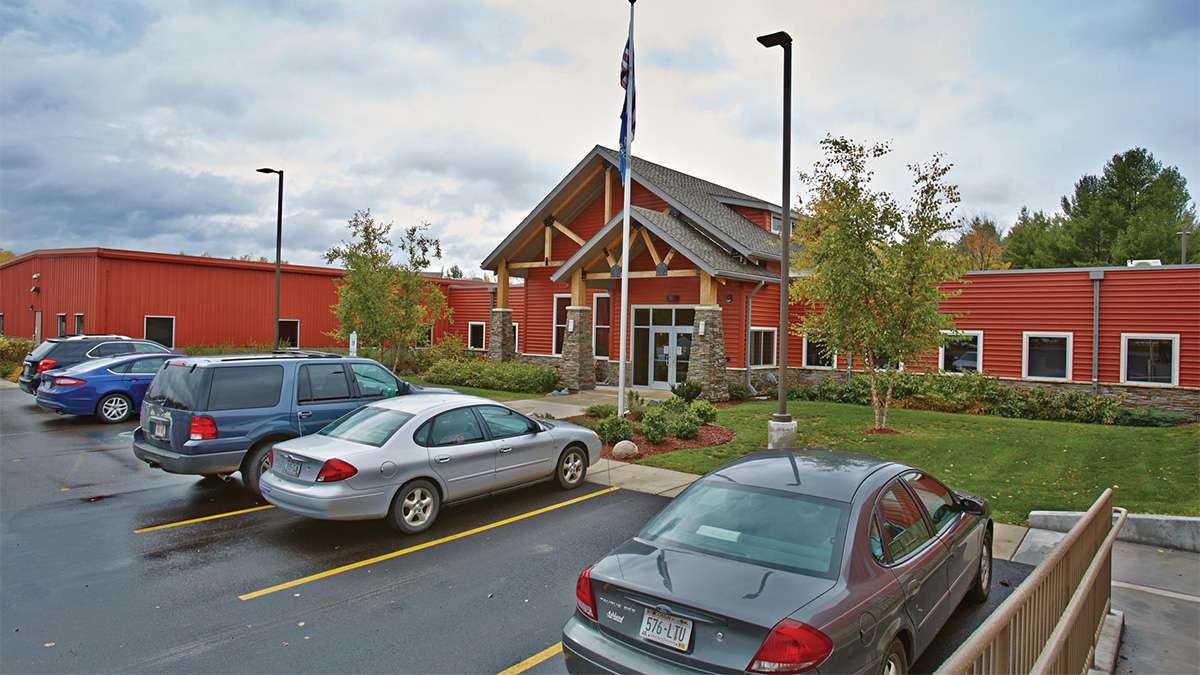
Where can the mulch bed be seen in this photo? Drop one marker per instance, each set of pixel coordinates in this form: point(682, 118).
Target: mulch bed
point(710, 435)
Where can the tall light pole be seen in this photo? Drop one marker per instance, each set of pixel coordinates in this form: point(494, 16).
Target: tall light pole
point(278, 247)
point(781, 431)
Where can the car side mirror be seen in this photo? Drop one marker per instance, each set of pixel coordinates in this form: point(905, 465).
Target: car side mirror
point(972, 506)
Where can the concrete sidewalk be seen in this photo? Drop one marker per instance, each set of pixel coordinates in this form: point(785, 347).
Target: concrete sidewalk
point(571, 405)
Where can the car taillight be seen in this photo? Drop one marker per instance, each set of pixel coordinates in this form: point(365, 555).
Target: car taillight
point(791, 647)
point(46, 364)
point(202, 428)
point(270, 458)
point(334, 470)
point(585, 602)
point(67, 382)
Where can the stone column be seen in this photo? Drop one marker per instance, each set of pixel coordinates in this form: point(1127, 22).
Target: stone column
point(578, 360)
point(500, 345)
point(707, 362)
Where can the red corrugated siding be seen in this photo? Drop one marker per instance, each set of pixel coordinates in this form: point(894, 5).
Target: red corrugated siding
point(760, 217)
point(66, 287)
point(1155, 301)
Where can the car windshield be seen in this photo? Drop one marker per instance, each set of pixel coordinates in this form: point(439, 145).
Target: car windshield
point(790, 531)
point(178, 385)
point(369, 426)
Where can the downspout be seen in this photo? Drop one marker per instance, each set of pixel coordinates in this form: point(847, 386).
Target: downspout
point(746, 342)
point(1096, 276)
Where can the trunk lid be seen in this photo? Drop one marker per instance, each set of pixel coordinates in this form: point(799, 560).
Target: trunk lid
point(299, 460)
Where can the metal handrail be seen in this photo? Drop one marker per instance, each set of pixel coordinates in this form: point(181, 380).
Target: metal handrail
point(1015, 637)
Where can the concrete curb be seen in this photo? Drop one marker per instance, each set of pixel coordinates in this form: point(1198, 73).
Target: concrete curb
point(1104, 662)
point(1177, 532)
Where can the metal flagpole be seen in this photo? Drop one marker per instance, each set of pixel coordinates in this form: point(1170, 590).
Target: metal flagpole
point(628, 150)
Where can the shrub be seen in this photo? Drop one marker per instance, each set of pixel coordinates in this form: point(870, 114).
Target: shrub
point(13, 350)
point(449, 348)
point(705, 411)
point(600, 410)
point(614, 429)
point(1149, 417)
point(500, 375)
point(688, 390)
point(674, 405)
point(656, 426)
point(635, 405)
point(685, 425)
point(738, 391)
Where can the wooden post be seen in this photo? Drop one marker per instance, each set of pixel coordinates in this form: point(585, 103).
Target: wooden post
point(502, 284)
point(578, 289)
point(607, 194)
point(708, 289)
point(549, 236)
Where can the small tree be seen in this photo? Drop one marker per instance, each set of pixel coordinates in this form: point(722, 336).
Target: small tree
point(875, 269)
point(455, 272)
point(980, 244)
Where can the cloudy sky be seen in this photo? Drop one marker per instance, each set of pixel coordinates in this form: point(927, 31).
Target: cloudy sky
point(139, 125)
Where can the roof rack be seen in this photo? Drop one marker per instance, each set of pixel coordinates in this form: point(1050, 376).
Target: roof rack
point(307, 354)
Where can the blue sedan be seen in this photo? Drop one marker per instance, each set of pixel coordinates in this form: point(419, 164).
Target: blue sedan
point(111, 389)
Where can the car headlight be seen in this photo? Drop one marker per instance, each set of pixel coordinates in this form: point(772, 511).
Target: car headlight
point(594, 434)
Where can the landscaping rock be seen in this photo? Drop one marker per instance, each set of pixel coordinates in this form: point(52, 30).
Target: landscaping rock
point(625, 450)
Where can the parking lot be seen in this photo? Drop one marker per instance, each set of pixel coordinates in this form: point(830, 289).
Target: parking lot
point(108, 565)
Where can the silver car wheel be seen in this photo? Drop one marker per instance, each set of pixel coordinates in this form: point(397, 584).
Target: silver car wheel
point(416, 507)
point(892, 667)
point(115, 409)
point(985, 567)
point(572, 468)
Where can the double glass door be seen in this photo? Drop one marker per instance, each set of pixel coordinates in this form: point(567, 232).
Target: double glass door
point(672, 348)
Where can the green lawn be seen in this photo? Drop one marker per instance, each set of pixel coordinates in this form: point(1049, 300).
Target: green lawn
point(1018, 465)
point(493, 394)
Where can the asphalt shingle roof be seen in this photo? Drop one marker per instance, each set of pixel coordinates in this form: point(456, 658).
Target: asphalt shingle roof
point(697, 245)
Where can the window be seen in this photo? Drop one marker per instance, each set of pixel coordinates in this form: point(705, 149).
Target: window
point(452, 428)
point(516, 328)
point(289, 333)
point(161, 329)
point(903, 525)
point(476, 330)
point(1150, 358)
point(762, 347)
point(323, 382)
point(1046, 356)
point(601, 323)
point(561, 302)
point(425, 340)
point(62, 325)
point(938, 501)
point(112, 349)
point(144, 347)
point(239, 387)
point(505, 423)
point(373, 380)
point(1, 324)
point(776, 223)
point(962, 352)
point(815, 356)
point(146, 366)
point(367, 425)
point(876, 540)
point(79, 324)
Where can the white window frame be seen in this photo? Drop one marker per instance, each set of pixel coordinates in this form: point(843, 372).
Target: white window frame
point(804, 357)
point(774, 353)
point(554, 326)
point(430, 339)
point(978, 335)
point(595, 298)
point(60, 324)
point(1173, 337)
point(1025, 335)
point(477, 323)
point(79, 323)
point(160, 316)
point(516, 336)
point(281, 320)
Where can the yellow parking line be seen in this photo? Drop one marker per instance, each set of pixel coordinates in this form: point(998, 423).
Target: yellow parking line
point(533, 660)
point(164, 526)
point(419, 547)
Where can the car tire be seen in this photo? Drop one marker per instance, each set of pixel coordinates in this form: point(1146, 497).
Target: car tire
point(415, 507)
point(896, 661)
point(572, 468)
point(252, 467)
point(114, 409)
point(981, 586)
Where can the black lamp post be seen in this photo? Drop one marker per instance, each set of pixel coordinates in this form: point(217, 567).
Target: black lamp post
point(782, 39)
point(278, 247)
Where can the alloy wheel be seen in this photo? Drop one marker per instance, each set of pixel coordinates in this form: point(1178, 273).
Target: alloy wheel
point(985, 567)
point(416, 507)
point(115, 409)
point(572, 469)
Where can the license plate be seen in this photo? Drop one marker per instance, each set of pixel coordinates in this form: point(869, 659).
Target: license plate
point(672, 631)
point(159, 429)
point(291, 467)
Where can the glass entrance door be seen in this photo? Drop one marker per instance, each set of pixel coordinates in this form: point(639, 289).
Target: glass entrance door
point(671, 349)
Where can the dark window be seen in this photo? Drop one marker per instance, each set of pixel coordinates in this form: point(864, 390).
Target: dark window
point(662, 317)
point(368, 425)
point(62, 325)
point(504, 423)
point(516, 329)
point(324, 382)
point(181, 386)
point(876, 540)
point(961, 354)
point(455, 428)
point(602, 322)
point(79, 324)
point(903, 525)
point(425, 339)
point(560, 323)
point(641, 317)
point(146, 366)
point(685, 317)
point(938, 501)
point(113, 348)
point(1046, 356)
point(161, 329)
point(1150, 360)
point(239, 387)
point(475, 332)
point(762, 347)
point(289, 333)
point(641, 356)
point(373, 380)
point(1, 324)
point(815, 356)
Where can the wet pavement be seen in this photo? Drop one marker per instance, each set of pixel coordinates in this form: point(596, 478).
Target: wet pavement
point(84, 591)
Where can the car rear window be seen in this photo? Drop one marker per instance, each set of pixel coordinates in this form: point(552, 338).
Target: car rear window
point(786, 530)
point(369, 426)
point(240, 387)
point(178, 385)
point(43, 349)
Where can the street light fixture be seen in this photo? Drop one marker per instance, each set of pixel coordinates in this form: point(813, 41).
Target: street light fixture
point(278, 246)
point(782, 429)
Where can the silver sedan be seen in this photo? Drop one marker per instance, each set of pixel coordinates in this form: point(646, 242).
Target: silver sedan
point(402, 458)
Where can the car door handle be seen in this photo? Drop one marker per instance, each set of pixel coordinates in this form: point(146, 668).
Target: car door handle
point(914, 586)
point(442, 459)
point(505, 450)
point(304, 414)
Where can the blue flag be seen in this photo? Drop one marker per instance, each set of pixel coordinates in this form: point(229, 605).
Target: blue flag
point(629, 107)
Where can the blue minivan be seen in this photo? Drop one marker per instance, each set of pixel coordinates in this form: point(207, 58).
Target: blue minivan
point(214, 415)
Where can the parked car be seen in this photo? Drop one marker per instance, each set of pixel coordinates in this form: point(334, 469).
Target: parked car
point(63, 352)
point(111, 389)
point(967, 363)
point(786, 562)
point(402, 458)
point(216, 415)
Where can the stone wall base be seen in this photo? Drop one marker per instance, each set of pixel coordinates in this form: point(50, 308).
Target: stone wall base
point(578, 361)
point(500, 346)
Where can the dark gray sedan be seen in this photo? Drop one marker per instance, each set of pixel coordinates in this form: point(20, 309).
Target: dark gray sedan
point(786, 562)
